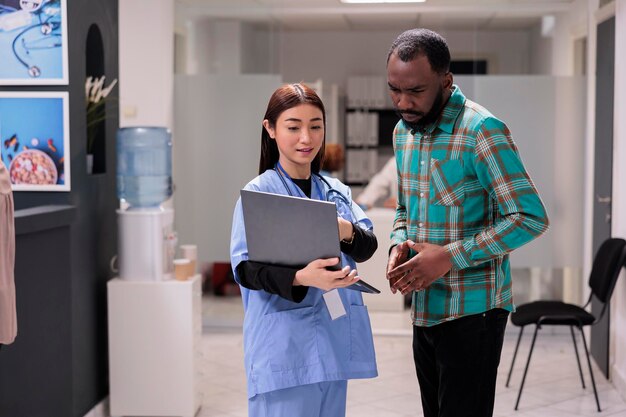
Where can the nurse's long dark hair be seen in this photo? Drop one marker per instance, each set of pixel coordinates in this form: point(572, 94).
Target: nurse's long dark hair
point(286, 97)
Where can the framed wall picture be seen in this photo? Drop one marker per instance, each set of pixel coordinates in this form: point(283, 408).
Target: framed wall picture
point(33, 42)
point(34, 140)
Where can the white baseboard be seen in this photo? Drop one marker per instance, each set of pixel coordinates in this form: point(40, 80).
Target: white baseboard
point(99, 410)
point(619, 381)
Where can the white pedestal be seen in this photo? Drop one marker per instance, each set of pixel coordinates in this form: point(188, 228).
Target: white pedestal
point(155, 329)
point(374, 269)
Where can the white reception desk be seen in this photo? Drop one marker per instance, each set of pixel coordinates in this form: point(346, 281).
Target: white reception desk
point(373, 270)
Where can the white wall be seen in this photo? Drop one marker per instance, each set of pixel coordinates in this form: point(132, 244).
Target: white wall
point(554, 124)
point(230, 47)
point(214, 47)
point(540, 52)
point(618, 328)
point(216, 152)
point(333, 56)
point(581, 21)
point(258, 53)
point(569, 25)
point(591, 35)
point(146, 33)
point(552, 52)
point(199, 47)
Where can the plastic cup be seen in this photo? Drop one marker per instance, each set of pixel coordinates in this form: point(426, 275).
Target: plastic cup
point(183, 269)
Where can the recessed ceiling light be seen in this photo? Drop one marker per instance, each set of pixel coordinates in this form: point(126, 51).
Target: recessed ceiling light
point(382, 1)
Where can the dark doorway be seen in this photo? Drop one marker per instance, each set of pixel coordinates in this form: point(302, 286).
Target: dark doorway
point(603, 174)
point(469, 67)
point(96, 114)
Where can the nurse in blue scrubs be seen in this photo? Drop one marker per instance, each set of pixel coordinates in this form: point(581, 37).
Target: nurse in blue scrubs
point(305, 334)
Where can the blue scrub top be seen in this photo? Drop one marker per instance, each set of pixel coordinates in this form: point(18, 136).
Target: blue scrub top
point(287, 344)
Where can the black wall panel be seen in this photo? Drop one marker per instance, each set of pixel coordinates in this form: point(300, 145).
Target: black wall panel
point(71, 317)
point(35, 371)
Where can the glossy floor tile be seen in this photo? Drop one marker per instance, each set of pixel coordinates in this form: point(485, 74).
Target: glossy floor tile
point(553, 387)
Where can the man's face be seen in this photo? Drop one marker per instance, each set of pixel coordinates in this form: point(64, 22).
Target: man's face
point(416, 90)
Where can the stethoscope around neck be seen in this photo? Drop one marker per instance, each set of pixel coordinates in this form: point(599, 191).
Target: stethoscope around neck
point(344, 206)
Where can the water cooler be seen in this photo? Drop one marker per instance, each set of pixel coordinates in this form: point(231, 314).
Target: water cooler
point(147, 241)
point(152, 319)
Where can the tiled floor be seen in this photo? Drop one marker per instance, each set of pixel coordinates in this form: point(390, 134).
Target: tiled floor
point(552, 388)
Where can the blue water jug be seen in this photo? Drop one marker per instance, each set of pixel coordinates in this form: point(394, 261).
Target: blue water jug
point(144, 165)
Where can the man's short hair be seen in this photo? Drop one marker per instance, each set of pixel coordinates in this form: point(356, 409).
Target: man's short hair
point(415, 42)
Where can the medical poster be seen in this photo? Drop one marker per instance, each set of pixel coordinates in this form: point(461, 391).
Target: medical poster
point(34, 140)
point(33, 42)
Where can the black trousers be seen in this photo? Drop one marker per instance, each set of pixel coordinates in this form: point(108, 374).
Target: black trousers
point(457, 364)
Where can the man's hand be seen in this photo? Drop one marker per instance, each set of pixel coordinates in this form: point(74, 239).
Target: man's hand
point(430, 263)
point(398, 255)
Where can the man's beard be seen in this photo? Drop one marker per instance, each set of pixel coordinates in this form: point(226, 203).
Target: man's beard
point(425, 119)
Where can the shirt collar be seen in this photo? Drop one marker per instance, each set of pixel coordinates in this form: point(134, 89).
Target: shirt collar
point(451, 110)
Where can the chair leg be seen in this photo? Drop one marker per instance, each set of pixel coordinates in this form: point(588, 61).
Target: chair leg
point(580, 369)
point(519, 338)
point(593, 381)
point(530, 354)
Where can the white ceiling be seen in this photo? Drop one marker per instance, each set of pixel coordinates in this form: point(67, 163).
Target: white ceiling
point(307, 15)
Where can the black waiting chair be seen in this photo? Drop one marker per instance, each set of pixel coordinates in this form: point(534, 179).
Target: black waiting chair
point(607, 264)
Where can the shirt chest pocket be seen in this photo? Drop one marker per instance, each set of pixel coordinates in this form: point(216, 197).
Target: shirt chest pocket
point(447, 182)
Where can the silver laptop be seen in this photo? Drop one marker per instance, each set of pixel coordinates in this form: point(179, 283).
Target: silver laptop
point(292, 231)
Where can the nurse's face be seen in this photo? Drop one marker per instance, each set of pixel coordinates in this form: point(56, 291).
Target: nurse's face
point(299, 134)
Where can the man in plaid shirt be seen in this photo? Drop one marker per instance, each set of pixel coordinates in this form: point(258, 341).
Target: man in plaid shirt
point(465, 201)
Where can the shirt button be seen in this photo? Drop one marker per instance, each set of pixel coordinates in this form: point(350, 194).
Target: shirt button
point(421, 224)
point(421, 162)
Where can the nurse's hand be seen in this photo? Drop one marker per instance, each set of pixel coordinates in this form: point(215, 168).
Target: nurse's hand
point(346, 229)
point(316, 275)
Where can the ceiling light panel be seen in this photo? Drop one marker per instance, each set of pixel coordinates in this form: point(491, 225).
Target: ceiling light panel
point(386, 22)
point(381, 1)
point(313, 22)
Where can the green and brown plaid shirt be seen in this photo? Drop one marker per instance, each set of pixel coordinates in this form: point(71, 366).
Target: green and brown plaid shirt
point(462, 185)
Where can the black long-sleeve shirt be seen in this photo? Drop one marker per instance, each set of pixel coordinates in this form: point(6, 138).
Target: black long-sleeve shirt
point(278, 280)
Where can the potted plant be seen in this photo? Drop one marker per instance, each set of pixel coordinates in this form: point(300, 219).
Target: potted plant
point(96, 97)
